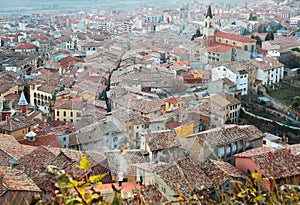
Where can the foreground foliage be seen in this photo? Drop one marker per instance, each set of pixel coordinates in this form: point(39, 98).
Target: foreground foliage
point(71, 190)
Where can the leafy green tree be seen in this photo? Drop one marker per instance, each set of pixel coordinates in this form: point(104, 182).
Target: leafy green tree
point(262, 28)
point(296, 102)
point(258, 39)
point(269, 36)
point(197, 34)
point(252, 17)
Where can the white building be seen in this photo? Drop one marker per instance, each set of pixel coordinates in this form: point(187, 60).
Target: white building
point(294, 20)
point(234, 71)
point(269, 70)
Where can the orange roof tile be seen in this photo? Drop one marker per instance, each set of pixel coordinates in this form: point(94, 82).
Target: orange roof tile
point(234, 37)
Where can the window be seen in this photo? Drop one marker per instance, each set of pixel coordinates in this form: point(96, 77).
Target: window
point(65, 113)
point(245, 48)
point(64, 138)
point(34, 95)
point(71, 114)
point(57, 113)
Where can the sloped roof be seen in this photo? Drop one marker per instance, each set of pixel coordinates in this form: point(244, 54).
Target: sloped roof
point(273, 162)
point(161, 140)
point(26, 46)
point(220, 171)
point(234, 37)
point(46, 140)
point(14, 180)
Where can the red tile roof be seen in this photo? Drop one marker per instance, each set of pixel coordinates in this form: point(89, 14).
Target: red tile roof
point(173, 100)
point(273, 162)
point(218, 48)
point(69, 59)
point(220, 171)
point(15, 180)
point(48, 139)
point(234, 37)
point(161, 140)
point(26, 46)
point(173, 124)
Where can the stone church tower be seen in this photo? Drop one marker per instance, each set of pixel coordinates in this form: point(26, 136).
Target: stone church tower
point(208, 30)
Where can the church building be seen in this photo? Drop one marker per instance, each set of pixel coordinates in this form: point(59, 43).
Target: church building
point(219, 46)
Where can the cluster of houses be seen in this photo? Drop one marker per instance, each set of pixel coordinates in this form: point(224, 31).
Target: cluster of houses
point(170, 104)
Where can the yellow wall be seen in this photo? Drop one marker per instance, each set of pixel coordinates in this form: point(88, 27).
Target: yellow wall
point(12, 90)
point(68, 117)
point(19, 134)
point(184, 130)
point(46, 96)
point(170, 105)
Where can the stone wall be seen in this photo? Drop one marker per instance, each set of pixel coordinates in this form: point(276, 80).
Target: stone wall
point(275, 103)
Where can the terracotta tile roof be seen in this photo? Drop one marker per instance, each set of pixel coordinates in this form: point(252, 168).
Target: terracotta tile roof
point(16, 123)
point(139, 103)
point(219, 135)
point(173, 124)
point(219, 171)
point(173, 100)
point(161, 140)
point(26, 46)
point(228, 82)
point(273, 162)
point(252, 132)
point(218, 48)
point(65, 62)
point(185, 175)
point(69, 104)
point(266, 63)
point(149, 193)
point(230, 98)
point(48, 139)
point(34, 165)
point(234, 37)
point(10, 146)
point(14, 180)
point(194, 174)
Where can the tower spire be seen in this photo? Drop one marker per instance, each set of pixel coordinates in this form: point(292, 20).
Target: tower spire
point(209, 13)
point(22, 104)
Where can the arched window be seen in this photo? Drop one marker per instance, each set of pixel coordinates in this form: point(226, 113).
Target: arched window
point(245, 48)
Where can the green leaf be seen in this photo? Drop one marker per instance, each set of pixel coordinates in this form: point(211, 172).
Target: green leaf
point(72, 199)
point(117, 200)
point(83, 164)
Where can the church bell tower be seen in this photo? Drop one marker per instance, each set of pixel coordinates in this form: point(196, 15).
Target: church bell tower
point(208, 30)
